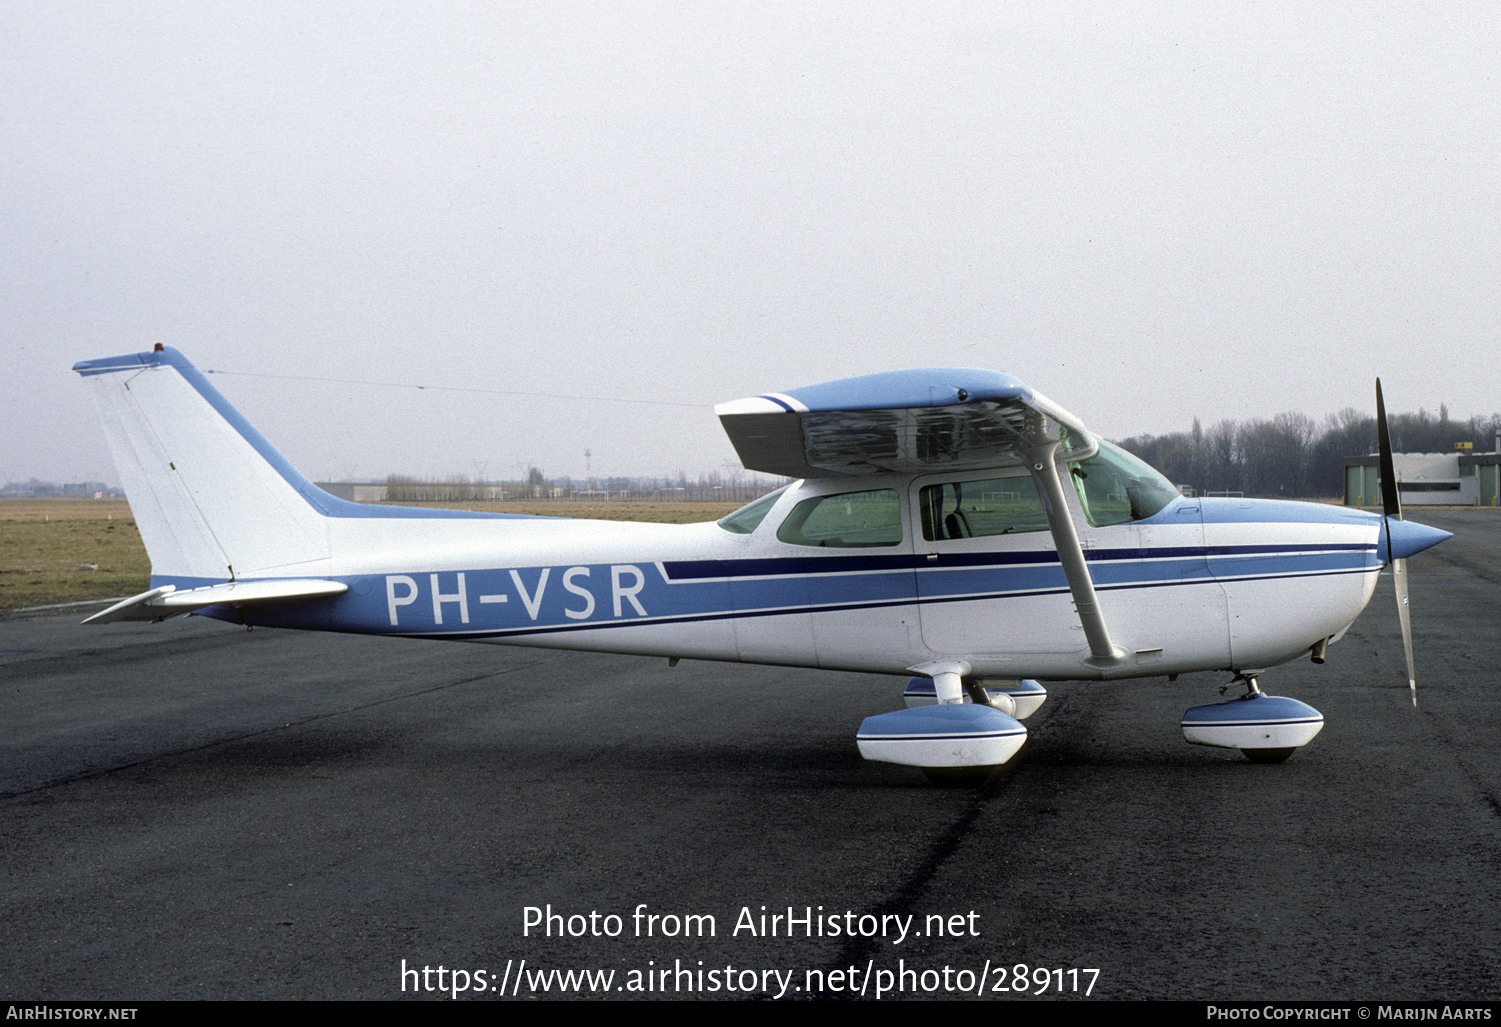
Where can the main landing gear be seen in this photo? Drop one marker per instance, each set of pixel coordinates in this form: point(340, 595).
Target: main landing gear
point(954, 729)
point(1267, 728)
point(957, 730)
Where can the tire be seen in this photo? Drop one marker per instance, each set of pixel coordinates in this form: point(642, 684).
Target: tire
point(958, 777)
point(1268, 755)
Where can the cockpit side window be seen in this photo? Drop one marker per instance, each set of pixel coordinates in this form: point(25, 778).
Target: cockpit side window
point(849, 520)
point(974, 509)
point(1115, 487)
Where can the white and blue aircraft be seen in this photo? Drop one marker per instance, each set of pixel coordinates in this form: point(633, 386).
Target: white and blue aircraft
point(949, 526)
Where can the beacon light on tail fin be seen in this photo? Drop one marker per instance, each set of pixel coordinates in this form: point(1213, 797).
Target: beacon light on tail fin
point(949, 523)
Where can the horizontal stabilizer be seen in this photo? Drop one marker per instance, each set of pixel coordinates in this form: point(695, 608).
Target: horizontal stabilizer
point(167, 601)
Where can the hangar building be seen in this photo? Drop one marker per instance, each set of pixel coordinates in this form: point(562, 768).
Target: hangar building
point(1427, 479)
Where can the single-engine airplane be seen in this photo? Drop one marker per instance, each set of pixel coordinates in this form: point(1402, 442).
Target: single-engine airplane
point(950, 526)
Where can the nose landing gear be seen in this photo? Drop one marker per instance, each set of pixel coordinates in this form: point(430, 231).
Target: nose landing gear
point(1267, 728)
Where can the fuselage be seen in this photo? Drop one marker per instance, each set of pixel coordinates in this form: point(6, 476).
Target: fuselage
point(869, 579)
point(928, 529)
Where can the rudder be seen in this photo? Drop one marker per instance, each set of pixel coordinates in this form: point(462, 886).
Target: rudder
point(213, 499)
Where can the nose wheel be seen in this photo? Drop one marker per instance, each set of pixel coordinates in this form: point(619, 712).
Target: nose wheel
point(1269, 755)
point(958, 777)
point(1266, 728)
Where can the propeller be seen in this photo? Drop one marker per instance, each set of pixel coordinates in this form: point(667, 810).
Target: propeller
point(1391, 504)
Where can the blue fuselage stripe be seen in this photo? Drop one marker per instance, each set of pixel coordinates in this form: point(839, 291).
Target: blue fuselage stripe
point(516, 602)
point(803, 566)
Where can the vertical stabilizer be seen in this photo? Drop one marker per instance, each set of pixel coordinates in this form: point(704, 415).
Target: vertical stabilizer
point(214, 501)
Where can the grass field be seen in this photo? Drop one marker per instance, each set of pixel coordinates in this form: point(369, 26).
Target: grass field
point(658, 513)
point(59, 550)
point(69, 550)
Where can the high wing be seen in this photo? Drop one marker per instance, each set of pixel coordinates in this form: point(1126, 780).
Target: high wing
point(929, 419)
point(936, 418)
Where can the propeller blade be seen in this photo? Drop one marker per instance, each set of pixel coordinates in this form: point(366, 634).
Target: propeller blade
point(1391, 502)
point(1391, 506)
point(1399, 575)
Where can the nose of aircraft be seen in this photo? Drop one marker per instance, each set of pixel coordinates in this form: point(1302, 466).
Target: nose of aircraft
point(1409, 537)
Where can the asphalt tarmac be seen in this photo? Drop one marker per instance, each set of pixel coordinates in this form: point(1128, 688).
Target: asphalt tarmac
point(191, 810)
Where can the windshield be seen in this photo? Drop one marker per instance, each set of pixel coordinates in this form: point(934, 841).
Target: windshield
point(1115, 487)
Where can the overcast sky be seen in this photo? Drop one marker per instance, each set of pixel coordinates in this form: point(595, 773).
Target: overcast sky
point(1148, 212)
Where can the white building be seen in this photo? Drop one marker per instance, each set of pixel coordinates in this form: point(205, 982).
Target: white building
point(1427, 479)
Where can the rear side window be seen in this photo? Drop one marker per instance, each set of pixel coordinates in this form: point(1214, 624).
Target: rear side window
point(850, 520)
point(746, 519)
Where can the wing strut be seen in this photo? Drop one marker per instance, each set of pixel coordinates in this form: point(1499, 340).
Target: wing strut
point(1103, 653)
